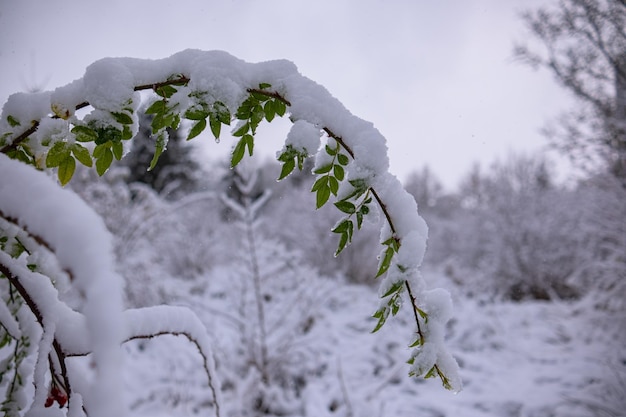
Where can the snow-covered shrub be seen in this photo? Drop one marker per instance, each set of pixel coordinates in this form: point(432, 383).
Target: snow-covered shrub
point(53, 243)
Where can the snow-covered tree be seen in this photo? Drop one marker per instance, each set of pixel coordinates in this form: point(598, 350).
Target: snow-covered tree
point(52, 243)
point(583, 44)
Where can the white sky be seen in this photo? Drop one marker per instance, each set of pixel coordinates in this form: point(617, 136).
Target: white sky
point(435, 77)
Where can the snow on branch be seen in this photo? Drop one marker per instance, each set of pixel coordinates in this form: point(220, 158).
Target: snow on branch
point(209, 89)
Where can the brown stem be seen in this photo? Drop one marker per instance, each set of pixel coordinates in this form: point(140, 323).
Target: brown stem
point(380, 202)
point(35, 123)
point(272, 94)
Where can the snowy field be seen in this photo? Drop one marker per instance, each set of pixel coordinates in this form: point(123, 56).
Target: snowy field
point(530, 359)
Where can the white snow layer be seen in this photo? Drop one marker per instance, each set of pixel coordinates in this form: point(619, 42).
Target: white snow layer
point(109, 85)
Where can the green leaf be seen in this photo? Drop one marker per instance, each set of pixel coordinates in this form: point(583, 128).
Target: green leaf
point(107, 134)
point(157, 107)
point(126, 133)
point(359, 220)
point(198, 128)
point(259, 96)
point(238, 153)
point(330, 151)
point(249, 140)
point(342, 227)
point(122, 118)
point(343, 159)
point(104, 162)
point(216, 126)
point(242, 130)
point(222, 112)
point(334, 185)
point(323, 194)
point(381, 315)
point(320, 182)
point(263, 86)
point(257, 115)
point(430, 373)
point(279, 107)
point(13, 122)
point(269, 111)
point(324, 169)
point(394, 288)
point(82, 154)
point(288, 167)
point(338, 171)
point(343, 242)
point(166, 91)
point(66, 170)
point(118, 150)
point(160, 146)
point(385, 261)
point(196, 113)
point(418, 342)
point(57, 154)
point(345, 206)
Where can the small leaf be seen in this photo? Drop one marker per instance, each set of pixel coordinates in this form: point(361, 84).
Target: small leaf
point(385, 261)
point(342, 227)
point(104, 162)
point(263, 86)
point(249, 141)
point(122, 118)
point(381, 315)
point(338, 171)
point(82, 154)
point(269, 111)
point(197, 129)
point(343, 159)
point(330, 151)
point(118, 150)
point(359, 220)
point(324, 169)
point(216, 126)
point(166, 91)
point(238, 153)
point(160, 146)
point(57, 154)
point(13, 122)
point(394, 288)
point(156, 107)
point(98, 151)
point(280, 107)
point(242, 130)
point(430, 373)
point(345, 206)
point(334, 185)
point(66, 170)
point(343, 241)
point(222, 112)
point(323, 194)
point(320, 182)
point(196, 113)
point(126, 133)
point(418, 342)
point(288, 167)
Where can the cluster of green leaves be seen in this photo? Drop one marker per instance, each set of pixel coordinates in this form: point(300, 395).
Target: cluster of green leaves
point(20, 152)
point(291, 157)
point(433, 372)
point(260, 104)
point(394, 293)
point(329, 175)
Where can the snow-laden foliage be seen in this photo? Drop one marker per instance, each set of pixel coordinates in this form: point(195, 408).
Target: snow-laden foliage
point(52, 243)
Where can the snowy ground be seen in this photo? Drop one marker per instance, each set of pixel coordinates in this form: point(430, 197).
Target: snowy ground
point(529, 359)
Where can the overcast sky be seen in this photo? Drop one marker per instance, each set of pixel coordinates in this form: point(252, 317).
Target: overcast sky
point(435, 77)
